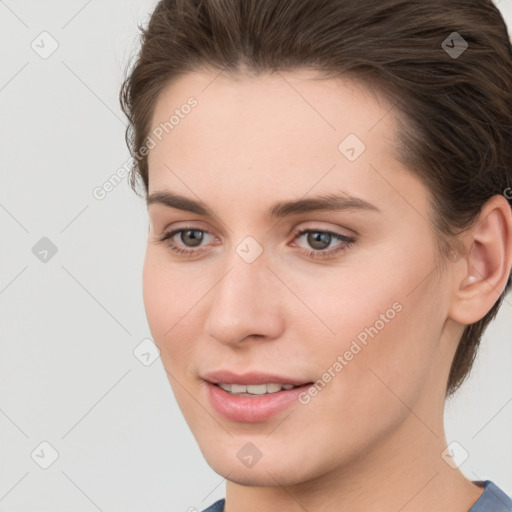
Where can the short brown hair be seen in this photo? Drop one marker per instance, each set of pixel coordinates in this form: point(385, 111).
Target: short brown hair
point(457, 135)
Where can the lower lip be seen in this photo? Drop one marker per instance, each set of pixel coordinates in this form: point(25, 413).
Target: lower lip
point(248, 409)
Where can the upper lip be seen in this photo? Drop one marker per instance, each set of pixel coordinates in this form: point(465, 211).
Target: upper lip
point(254, 377)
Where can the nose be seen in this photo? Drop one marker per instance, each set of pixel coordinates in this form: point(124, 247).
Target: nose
point(245, 303)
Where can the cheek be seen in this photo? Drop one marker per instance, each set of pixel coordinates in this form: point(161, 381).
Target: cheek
point(168, 299)
point(170, 302)
point(386, 328)
point(166, 289)
point(156, 295)
point(365, 392)
point(163, 295)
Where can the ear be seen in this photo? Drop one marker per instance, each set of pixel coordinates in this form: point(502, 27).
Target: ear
point(483, 272)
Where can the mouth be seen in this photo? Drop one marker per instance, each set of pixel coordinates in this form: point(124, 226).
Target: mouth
point(252, 397)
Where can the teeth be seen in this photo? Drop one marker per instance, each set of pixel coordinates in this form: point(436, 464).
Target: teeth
point(254, 389)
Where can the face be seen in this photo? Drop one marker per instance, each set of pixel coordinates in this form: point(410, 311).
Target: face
point(342, 296)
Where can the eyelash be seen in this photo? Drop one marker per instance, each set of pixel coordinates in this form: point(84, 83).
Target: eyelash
point(318, 253)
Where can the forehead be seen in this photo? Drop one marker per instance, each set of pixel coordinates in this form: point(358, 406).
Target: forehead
point(269, 132)
point(299, 102)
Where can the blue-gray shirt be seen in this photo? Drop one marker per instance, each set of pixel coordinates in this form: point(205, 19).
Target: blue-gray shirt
point(493, 499)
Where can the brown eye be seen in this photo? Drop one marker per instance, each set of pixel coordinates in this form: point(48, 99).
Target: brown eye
point(191, 237)
point(319, 240)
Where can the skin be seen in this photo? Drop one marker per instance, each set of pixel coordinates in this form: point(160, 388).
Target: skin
point(372, 438)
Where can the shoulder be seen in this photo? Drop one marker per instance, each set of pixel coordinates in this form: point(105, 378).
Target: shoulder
point(493, 499)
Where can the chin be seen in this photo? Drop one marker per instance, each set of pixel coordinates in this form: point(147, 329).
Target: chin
point(270, 471)
point(257, 476)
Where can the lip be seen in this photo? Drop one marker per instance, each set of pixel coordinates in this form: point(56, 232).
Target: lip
point(228, 377)
point(248, 409)
point(251, 409)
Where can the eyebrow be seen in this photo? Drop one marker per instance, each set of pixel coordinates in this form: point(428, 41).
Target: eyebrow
point(281, 209)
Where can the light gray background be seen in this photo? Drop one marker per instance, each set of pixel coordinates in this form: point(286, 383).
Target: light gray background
point(68, 375)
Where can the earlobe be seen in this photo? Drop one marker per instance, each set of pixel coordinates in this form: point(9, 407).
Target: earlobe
point(485, 269)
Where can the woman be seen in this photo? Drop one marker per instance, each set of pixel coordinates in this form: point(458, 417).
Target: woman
point(328, 188)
